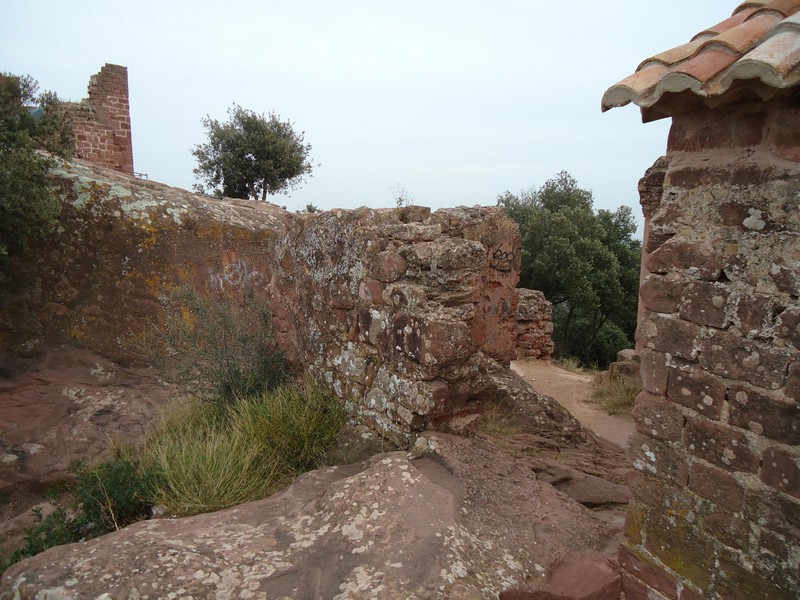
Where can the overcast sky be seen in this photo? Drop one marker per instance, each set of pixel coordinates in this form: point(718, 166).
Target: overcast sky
point(452, 101)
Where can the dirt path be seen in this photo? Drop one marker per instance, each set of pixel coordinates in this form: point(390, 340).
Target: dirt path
point(574, 392)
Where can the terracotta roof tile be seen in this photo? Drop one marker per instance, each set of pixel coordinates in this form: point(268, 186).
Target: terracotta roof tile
point(758, 48)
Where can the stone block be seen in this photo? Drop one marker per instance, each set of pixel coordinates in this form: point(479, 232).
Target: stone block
point(648, 572)
point(431, 341)
point(688, 593)
point(754, 314)
point(774, 510)
point(716, 485)
point(734, 357)
point(720, 445)
point(788, 325)
point(669, 334)
point(705, 303)
point(661, 293)
point(693, 256)
point(657, 418)
point(658, 458)
point(792, 389)
point(769, 414)
point(682, 546)
point(634, 521)
point(698, 390)
point(655, 371)
point(724, 527)
point(780, 469)
point(635, 589)
point(736, 581)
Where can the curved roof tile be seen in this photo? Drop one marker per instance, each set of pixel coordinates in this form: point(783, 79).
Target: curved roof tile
point(758, 47)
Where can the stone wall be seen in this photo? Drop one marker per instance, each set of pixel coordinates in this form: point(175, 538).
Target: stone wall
point(101, 123)
point(403, 312)
point(534, 325)
point(717, 453)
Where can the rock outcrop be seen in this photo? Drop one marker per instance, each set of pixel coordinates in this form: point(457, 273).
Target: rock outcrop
point(69, 404)
point(457, 518)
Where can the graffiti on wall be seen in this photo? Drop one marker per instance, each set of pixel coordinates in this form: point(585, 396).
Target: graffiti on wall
point(234, 273)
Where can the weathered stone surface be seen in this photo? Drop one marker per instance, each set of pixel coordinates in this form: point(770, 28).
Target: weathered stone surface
point(658, 418)
point(734, 357)
point(661, 293)
point(766, 413)
point(393, 527)
point(66, 404)
point(414, 296)
point(716, 485)
point(698, 390)
point(648, 572)
point(682, 547)
point(658, 458)
point(693, 256)
point(721, 445)
point(534, 325)
point(705, 303)
point(655, 371)
point(668, 334)
point(781, 470)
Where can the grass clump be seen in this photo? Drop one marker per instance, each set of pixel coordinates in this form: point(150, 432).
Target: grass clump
point(207, 458)
point(615, 393)
point(569, 363)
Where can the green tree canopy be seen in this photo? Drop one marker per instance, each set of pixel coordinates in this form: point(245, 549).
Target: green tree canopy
point(30, 122)
point(585, 262)
point(251, 156)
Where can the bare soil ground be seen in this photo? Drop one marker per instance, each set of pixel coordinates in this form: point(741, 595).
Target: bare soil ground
point(574, 392)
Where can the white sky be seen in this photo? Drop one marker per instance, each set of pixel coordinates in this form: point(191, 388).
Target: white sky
point(453, 101)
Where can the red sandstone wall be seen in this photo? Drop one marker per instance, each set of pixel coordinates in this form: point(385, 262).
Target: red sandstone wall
point(534, 317)
point(102, 123)
point(717, 453)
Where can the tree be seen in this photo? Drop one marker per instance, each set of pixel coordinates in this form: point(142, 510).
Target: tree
point(251, 156)
point(585, 262)
point(30, 122)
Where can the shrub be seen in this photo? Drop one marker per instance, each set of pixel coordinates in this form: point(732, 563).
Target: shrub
point(104, 498)
point(114, 493)
point(222, 348)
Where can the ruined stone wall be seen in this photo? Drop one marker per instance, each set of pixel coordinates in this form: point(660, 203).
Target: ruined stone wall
point(398, 310)
point(717, 453)
point(101, 123)
point(403, 312)
point(534, 325)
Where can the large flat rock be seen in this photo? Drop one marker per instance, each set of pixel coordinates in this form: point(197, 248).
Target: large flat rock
point(456, 518)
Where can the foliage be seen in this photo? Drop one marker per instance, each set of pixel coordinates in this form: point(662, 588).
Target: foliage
point(29, 122)
point(105, 498)
point(222, 348)
point(615, 394)
point(251, 155)
point(585, 262)
point(114, 493)
point(208, 457)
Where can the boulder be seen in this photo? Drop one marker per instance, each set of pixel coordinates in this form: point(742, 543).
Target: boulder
point(457, 518)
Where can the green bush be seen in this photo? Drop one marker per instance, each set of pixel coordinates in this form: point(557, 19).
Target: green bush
point(206, 457)
point(222, 348)
point(104, 498)
point(28, 207)
point(115, 493)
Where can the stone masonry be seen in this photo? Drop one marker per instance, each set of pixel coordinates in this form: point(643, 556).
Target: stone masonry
point(101, 123)
point(717, 454)
point(406, 314)
point(534, 325)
